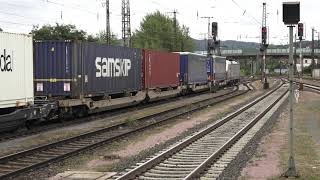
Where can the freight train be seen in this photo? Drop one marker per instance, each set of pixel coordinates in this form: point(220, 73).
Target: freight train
point(44, 80)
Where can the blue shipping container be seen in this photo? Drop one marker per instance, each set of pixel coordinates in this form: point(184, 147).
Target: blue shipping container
point(210, 68)
point(52, 68)
point(75, 69)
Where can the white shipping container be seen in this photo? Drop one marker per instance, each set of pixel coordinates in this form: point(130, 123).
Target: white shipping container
point(233, 70)
point(16, 70)
point(316, 73)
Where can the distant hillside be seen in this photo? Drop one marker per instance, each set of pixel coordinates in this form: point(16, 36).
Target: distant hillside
point(200, 45)
point(229, 44)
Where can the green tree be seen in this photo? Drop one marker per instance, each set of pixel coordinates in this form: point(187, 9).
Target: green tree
point(102, 38)
point(1, 30)
point(69, 32)
point(58, 32)
point(157, 32)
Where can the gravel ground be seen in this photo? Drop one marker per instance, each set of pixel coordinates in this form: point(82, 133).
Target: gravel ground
point(272, 152)
point(233, 171)
point(267, 154)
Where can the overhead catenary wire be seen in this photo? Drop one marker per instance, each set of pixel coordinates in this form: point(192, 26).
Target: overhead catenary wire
point(15, 23)
point(246, 12)
point(80, 8)
point(25, 17)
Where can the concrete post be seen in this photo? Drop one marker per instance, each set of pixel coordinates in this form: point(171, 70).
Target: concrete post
point(291, 172)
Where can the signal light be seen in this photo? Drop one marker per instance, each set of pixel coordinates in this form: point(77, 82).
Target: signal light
point(300, 30)
point(214, 29)
point(264, 35)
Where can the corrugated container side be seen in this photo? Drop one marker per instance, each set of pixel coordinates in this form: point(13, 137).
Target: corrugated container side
point(233, 71)
point(16, 70)
point(110, 69)
point(219, 66)
point(53, 62)
point(197, 69)
point(160, 69)
point(184, 69)
point(76, 69)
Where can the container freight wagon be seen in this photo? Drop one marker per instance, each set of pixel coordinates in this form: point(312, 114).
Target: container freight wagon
point(160, 74)
point(16, 77)
point(193, 71)
point(219, 69)
point(87, 77)
point(233, 72)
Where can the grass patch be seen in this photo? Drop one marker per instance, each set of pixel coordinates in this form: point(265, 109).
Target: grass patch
point(307, 157)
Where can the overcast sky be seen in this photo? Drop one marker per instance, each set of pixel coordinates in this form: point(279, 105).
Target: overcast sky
point(238, 19)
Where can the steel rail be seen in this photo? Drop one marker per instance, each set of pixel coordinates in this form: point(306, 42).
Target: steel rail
point(132, 174)
point(210, 160)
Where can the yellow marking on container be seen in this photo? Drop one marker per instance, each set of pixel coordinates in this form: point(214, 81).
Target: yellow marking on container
point(53, 80)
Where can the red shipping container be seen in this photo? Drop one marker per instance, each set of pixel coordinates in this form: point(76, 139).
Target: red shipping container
point(160, 69)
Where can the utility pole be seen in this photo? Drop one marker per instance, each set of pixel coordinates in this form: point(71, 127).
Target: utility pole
point(175, 29)
point(108, 31)
point(295, 55)
point(312, 46)
point(264, 44)
point(126, 24)
point(209, 34)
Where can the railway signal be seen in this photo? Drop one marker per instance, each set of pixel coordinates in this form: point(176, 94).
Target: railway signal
point(291, 17)
point(300, 31)
point(300, 34)
point(214, 30)
point(264, 35)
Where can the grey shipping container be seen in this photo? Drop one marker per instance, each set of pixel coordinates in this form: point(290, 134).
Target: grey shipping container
point(76, 69)
point(193, 68)
point(219, 68)
point(233, 71)
point(316, 73)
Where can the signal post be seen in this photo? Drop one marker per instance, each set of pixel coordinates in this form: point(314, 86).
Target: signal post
point(291, 17)
point(264, 46)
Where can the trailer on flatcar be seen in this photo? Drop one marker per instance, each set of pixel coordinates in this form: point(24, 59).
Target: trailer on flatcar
point(193, 72)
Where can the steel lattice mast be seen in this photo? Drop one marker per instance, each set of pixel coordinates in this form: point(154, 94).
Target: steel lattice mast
point(126, 24)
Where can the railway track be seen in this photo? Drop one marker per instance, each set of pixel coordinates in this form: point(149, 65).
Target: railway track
point(200, 155)
point(311, 86)
point(44, 127)
point(308, 85)
point(21, 162)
